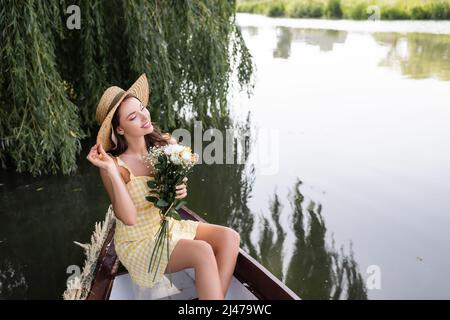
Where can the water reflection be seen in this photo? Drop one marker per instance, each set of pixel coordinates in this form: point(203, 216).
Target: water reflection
point(324, 39)
point(284, 41)
point(13, 283)
point(41, 217)
point(316, 270)
point(417, 55)
point(271, 252)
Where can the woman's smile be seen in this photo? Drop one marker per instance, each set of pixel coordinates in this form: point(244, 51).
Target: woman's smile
point(146, 125)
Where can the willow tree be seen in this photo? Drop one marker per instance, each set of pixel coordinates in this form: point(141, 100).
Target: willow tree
point(53, 75)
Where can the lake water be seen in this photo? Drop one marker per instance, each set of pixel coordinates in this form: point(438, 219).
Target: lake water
point(363, 120)
point(345, 191)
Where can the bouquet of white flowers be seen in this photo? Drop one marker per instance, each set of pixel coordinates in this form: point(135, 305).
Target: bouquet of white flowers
point(171, 164)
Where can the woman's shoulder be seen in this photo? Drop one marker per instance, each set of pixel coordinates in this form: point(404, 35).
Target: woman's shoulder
point(123, 172)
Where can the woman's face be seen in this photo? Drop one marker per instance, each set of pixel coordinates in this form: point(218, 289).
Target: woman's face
point(134, 119)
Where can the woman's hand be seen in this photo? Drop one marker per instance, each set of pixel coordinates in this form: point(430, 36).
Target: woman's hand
point(181, 190)
point(99, 158)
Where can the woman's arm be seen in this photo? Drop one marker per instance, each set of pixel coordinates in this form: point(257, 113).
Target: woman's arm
point(123, 206)
point(121, 201)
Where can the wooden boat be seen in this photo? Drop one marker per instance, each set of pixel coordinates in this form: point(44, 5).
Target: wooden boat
point(251, 280)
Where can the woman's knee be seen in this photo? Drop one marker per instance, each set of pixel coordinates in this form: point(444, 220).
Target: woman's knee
point(203, 251)
point(232, 237)
point(187, 253)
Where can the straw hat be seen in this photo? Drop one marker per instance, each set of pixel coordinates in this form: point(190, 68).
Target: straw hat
point(108, 104)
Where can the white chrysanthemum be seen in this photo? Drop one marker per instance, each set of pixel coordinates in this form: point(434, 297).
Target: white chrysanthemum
point(173, 148)
point(186, 155)
point(168, 149)
point(175, 159)
point(178, 148)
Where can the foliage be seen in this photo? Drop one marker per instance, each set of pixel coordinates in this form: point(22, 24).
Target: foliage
point(333, 9)
point(350, 9)
point(53, 76)
point(39, 125)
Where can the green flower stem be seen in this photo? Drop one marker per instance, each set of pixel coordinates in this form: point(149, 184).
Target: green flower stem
point(168, 210)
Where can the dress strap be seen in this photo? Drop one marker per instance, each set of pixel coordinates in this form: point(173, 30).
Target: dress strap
point(123, 164)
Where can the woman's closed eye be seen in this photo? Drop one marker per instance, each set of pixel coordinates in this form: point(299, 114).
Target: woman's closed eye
point(134, 116)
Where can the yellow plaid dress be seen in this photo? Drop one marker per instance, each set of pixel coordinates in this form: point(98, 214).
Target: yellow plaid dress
point(134, 244)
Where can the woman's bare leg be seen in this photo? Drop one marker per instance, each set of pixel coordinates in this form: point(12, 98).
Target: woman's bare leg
point(225, 243)
point(199, 255)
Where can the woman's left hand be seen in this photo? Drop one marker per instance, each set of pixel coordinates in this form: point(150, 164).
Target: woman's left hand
point(181, 189)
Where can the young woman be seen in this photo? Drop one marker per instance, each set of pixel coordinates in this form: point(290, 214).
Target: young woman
point(126, 132)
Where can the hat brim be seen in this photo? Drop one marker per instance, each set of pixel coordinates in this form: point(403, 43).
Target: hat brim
point(139, 89)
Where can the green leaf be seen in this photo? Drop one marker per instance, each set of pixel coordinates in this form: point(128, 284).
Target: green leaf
point(174, 215)
point(180, 204)
point(161, 203)
point(152, 184)
point(152, 199)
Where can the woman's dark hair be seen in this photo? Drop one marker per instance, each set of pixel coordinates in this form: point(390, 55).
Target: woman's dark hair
point(155, 138)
